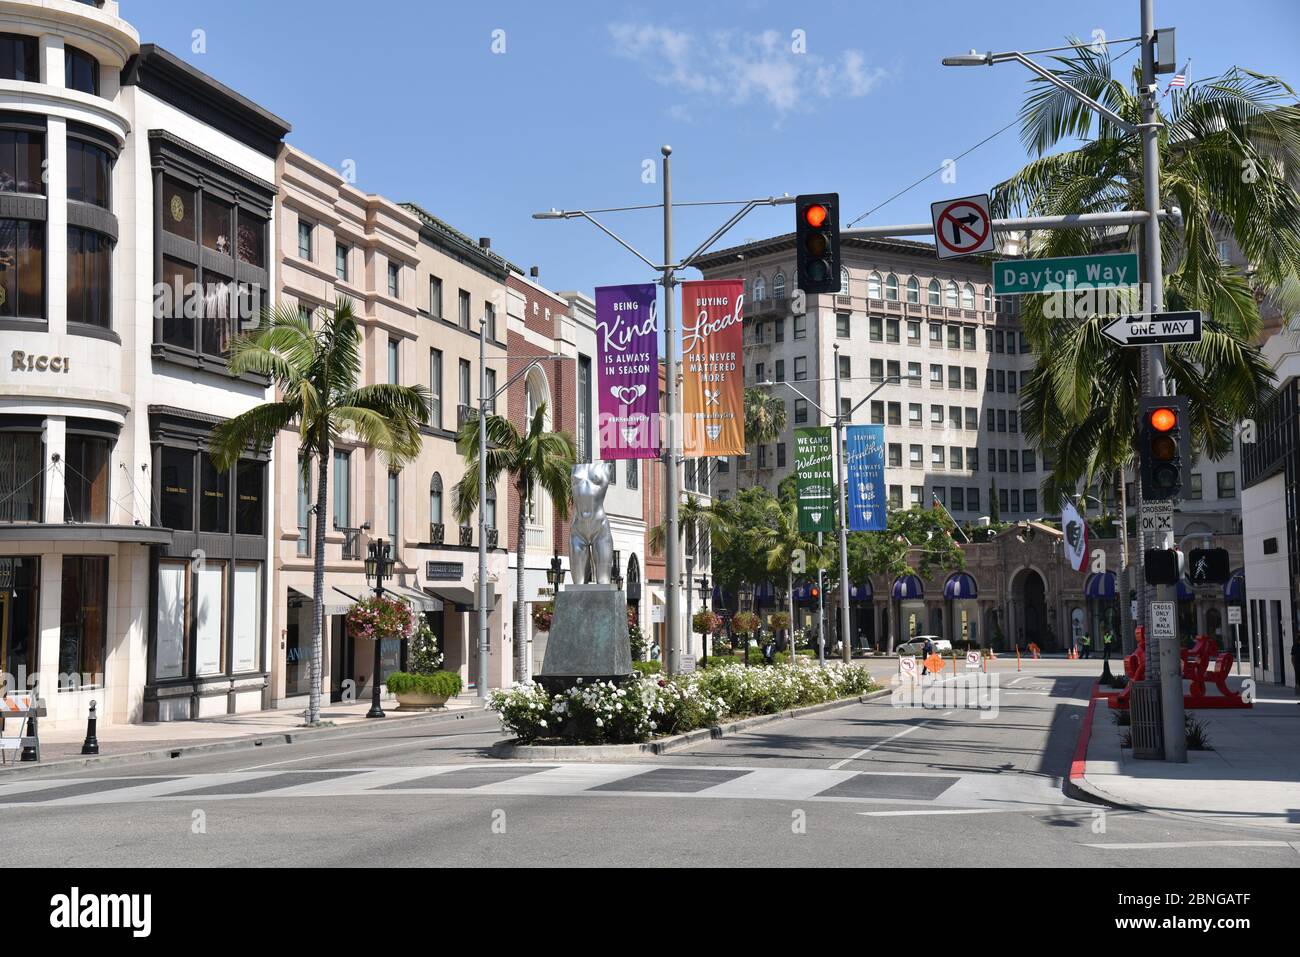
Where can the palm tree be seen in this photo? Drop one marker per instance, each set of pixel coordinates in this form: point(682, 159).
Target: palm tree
point(694, 516)
point(1223, 146)
point(783, 542)
point(533, 459)
point(316, 372)
point(765, 417)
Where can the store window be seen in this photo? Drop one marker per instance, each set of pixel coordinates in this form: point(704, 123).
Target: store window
point(250, 497)
point(20, 580)
point(19, 58)
point(21, 473)
point(22, 284)
point(83, 621)
point(86, 478)
point(90, 278)
point(80, 71)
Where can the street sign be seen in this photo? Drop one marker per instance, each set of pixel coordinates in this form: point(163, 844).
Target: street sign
point(444, 571)
point(1163, 621)
point(1017, 277)
point(1234, 614)
point(657, 614)
point(907, 667)
point(962, 227)
point(688, 664)
point(1154, 329)
point(1157, 517)
point(972, 661)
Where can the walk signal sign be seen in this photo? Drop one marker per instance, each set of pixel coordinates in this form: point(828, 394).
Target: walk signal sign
point(817, 242)
point(1163, 447)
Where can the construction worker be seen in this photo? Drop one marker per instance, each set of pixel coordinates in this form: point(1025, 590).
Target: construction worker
point(1085, 646)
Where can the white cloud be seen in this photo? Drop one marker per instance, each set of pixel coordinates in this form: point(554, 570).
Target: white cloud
point(736, 67)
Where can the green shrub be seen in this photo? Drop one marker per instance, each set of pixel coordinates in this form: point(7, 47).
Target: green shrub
point(647, 667)
point(444, 683)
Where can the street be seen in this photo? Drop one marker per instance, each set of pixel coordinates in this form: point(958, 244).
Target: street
point(863, 784)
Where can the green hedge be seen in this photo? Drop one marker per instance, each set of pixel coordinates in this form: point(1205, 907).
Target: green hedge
point(647, 667)
point(445, 683)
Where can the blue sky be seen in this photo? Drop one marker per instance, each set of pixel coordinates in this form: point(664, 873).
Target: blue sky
point(585, 92)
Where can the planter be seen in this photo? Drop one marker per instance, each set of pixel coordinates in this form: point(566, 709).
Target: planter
point(423, 692)
point(419, 701)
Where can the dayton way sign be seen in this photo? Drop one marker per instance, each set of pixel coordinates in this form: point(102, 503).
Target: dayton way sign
point(1158, 328)
point(1065, 272)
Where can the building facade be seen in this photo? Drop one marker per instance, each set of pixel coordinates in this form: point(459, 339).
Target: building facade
point(133, 572)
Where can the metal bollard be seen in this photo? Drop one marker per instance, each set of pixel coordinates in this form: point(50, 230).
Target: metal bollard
point(91, 744)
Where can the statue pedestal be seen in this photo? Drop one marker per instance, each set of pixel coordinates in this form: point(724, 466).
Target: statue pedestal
point(588, 638)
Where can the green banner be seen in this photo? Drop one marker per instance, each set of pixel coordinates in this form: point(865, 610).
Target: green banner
point(1018, 276)
point(813, 450)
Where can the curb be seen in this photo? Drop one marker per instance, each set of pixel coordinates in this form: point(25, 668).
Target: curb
point(508, 750)
point(1076, 784)
point(297, 735)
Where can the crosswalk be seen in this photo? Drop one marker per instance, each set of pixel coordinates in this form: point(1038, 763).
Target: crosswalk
point(912, 789)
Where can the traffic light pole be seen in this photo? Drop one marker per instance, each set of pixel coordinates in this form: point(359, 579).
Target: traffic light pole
point(668, 279)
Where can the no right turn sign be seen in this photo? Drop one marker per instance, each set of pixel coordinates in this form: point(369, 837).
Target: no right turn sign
point(962, 227)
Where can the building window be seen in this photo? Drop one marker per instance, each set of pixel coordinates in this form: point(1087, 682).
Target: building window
point(846, 367)
point(915, 455)
point(1227, 484)
point(490, 387)
point(891, 288)
point(490, 508)
point(895, 455)
point(914, 413)
point(932, 292)
point(394, 279)
point(85, 478)
point(394, 352)
point(80, 71)
point(936, 334)
point(800, 411)
point(800, 368)
point(435, 499)
point(968, 296)
point(958, 498)
point(83, 622)
point(954, 377)
point(250, 497)
point(778, 326)
point(778, 286)
point(936, 456)
point(895, 413)
point(22, 285)
point(950, 295)
point(342, 488)
point(392, 510)
point(435, 297)
point(877, 412)
point(1031, 500)
point(1195, 492)
point(973, 459)
point(490, 314)
point(584, 408)
point(1027, 462)
point(435, 388)
point(19, 58)
point(341, 261)
point(988, 299)
point(304, 505)
point(801, 327)
point(463, 382)
point(895, 496)
point(760, 289)
point(954, 416)
point(913, 333)
point(940, 495)
point(214, 497)
point(633, 473)
point(955, 457)
point(90, 173)
point(972, 419)
point(875, 329)
point(936, 376)
point(304, 239)
point(21, 465)
point(462, 307)
point(954, 337)
point(936, 415)
point(90, 278)
point(842, 325)
point(917, 494)
point(973, 499)
point(176, 488)
point(873, 286)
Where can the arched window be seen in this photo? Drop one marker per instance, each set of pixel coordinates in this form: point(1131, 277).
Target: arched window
point(435, 499)
point(760, 289)
point(988, 298)
point(873, 286)
point(932, 292)
point(913, 290)
point(844, 282)
point(950, 295)
point(968, 296)
point(778, 286)
point(891, 287)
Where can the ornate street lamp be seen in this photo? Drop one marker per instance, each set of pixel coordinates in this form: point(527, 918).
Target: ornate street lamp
point(616, 573)
point(555, 574)
point(379, 565)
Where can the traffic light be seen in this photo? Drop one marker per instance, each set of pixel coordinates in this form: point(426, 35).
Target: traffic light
point(1163, 447)
point(817, 242)
point(1209, 566)
point(1160, 566)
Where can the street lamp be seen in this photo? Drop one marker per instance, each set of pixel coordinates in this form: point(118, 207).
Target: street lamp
point(703, 581)
point(379, 565)
point(555, 574)
point(616, 575)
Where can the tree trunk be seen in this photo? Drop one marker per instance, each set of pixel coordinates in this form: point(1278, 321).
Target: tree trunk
point(521, 632)
point(318, 585)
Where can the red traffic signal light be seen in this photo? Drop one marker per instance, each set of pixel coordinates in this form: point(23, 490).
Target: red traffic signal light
point(815, 215)
point(1163, 418)
point(817, 243)
point(1163, 447)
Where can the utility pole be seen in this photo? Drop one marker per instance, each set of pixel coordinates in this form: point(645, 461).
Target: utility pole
point(482, 508)
point(846, 652)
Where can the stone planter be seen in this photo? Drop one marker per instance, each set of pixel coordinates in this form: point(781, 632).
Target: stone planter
point(415, 701)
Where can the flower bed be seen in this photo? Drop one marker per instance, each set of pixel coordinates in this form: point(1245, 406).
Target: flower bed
point(646, 706)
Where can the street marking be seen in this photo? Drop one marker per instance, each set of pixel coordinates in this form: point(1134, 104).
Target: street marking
point(1186, 844)
point(962, 810)
point(839, 764)
point(419, 742)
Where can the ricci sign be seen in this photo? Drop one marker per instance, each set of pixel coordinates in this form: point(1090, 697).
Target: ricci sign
point(21, 361)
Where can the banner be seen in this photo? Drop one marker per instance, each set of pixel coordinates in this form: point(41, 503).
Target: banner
point(865, 469)
point(815, 479)
point(713, 368)
point(627, 364)
point(1075, 530)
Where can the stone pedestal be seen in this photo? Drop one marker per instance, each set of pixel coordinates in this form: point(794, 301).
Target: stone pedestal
point(588, 638)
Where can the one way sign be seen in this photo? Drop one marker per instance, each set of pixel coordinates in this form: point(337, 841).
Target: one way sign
point(1158, 328)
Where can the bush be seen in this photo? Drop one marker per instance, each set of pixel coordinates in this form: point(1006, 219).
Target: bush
point(444, 683)
point(422, 652)
point(643, 707)
point(647, 667)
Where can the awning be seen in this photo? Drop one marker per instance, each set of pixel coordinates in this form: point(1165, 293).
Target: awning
point(418, 599)
point(1234, 589)
point(1100, 586)
point(907, 588)
point(861, 592)
point(328, 609)
point(463, 597)
point(960, 586)
point(70, 532)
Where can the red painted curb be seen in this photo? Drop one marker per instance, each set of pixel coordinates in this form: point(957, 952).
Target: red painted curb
point(1079, 767)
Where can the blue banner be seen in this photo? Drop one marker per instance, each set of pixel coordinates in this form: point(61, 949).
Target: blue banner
point(865, 469)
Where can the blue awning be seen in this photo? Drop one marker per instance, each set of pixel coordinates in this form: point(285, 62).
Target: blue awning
point(861, 592)
point(1185, 590)
point(804, 593)
point(1234, 589)
point(1100, 585)
point(765, 594)
point(907, 588)
point(960, 586)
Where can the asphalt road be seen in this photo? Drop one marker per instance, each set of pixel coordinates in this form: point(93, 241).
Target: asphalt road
point(866, 784)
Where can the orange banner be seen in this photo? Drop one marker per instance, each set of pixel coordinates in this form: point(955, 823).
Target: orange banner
point(713, 368)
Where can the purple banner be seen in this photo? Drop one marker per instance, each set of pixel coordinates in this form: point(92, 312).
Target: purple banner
point(627, 362)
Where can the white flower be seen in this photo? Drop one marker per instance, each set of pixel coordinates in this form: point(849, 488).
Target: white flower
point(600, 723)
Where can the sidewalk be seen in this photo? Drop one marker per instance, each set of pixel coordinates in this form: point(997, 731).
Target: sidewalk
point(1251, 778)
point(233, 730)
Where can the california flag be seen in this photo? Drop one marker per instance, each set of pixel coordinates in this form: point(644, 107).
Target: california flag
point(1076, 535)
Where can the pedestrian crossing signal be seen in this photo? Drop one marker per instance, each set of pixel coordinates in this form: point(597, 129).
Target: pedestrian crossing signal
point(817, 242)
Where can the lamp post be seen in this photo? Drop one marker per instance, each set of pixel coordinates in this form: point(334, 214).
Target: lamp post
point(379, 565)
point(555, 574)
point(690, 618)
point(704, 604)
point(668, 278)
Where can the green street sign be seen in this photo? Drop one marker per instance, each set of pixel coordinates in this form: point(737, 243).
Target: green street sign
point(1020, 276)
point(813, 449)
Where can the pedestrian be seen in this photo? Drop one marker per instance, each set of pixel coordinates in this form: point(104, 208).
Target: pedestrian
point(1106, 641)
point(1085, 646)
point(927, 650)
point(1295, 661)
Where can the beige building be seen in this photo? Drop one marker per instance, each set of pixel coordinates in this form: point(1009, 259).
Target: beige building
point(398, 265)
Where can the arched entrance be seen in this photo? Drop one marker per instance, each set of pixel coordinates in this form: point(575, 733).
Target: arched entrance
point(1029, 609)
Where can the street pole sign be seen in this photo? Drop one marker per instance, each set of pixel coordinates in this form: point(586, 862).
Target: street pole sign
point(962, 227)
point(1018, 277)
point(1234, 614)
point(1156, 329)
point(1162, 619)
point(1156, 517)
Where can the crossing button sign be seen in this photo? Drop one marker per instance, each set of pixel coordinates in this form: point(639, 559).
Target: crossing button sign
point(962, 227)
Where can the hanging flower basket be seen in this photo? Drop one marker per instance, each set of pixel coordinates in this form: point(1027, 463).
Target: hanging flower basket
point(543, 615)
point(380, 618)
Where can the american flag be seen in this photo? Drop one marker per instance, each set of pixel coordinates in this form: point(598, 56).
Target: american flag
point(1180, 79)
